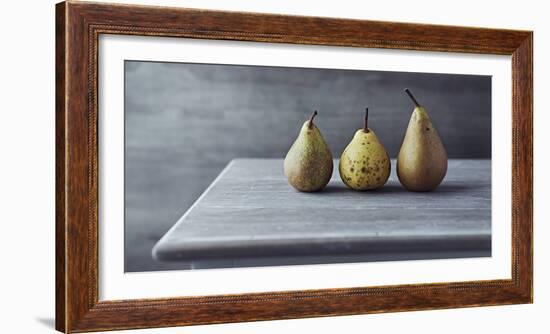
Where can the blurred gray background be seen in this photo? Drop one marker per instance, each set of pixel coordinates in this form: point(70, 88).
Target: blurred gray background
point(185, 122)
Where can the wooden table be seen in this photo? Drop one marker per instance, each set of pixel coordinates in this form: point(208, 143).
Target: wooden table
point(250, 216)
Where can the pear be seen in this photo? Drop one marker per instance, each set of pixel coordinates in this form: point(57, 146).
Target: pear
point(422, 159)
point(365, 164)
point(308, 163)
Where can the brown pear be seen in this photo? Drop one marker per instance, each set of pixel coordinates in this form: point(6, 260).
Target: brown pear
point(422, 159)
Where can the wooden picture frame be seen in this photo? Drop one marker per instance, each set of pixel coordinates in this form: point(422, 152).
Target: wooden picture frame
point(78, 26)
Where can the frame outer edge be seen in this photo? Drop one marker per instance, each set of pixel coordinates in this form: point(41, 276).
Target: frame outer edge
point(61, 317)
point(73, 198)
point(524, 156)
point(522, 165)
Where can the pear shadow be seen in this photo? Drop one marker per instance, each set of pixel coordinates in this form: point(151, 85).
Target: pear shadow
point(454, 188)
point(388, 189)
point(442, 188)
point(335, 189)
point(47, 322)
point(395, 188)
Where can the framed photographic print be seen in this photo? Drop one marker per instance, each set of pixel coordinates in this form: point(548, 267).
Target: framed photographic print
point(223, 166)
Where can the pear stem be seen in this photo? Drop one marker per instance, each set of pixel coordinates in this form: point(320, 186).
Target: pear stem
point(310, 124)
point(412, 97)
point(366, 128)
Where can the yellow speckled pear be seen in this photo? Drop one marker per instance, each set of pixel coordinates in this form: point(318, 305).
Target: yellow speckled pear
point(365, 164)
point(308, 163)
point(422, 159)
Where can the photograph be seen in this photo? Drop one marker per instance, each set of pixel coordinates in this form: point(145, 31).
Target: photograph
point(231, 166)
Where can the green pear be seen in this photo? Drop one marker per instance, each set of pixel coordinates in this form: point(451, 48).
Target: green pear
point(422, 159)
point(308, 163)
point(365, 164)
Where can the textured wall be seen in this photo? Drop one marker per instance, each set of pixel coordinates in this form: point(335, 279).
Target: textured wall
point(185, 122)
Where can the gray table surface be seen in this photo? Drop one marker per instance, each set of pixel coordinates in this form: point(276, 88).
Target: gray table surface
point(250, 216)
